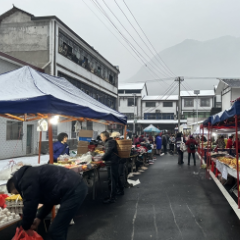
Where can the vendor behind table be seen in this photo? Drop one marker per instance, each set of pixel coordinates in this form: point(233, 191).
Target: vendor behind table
point(60, 147)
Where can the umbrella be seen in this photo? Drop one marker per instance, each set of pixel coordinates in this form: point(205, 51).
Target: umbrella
point(151, 128)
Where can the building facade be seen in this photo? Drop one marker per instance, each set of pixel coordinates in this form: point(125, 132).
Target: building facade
point(229, 90)
point(50, 45)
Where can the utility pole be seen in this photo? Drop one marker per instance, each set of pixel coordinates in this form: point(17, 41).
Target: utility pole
point(197, 92)
point(179, 80)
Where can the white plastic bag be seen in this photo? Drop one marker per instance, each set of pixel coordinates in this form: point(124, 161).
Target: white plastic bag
point(10, 168)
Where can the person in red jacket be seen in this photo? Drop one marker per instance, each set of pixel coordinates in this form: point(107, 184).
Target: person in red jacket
point(191, 144)
point(229, 142)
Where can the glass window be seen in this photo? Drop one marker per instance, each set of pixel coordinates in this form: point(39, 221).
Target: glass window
point(89, 125)
point(205, 102)
point(188, 102)
point(131, 102)
point(120, 91)
point(68, 48)
point(54, 132)
point(132, 91)
point(14, 130)
point(167, 104)
point(98, 95)
point(129, 115)
point(150, 104)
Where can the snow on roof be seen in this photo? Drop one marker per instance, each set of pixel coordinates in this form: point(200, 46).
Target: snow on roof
point(160, 97)
point(128, 86)
point(202, 93)
point(231, 82)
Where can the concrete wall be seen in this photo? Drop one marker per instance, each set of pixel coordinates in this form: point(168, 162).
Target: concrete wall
point(16, 148)
point(124, 108)
point(203, 109)
point(25, 39)
point(6, 66)
point(226, 100)
point(235, 93)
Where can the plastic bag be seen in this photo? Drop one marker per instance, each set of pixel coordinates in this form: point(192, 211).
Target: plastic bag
point(23, 235)
point(10, 168)
point(64, 157)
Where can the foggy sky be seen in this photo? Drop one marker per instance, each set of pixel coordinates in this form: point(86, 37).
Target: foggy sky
point(166, 23)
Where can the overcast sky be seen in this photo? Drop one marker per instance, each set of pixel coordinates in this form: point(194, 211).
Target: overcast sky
point(165, 22)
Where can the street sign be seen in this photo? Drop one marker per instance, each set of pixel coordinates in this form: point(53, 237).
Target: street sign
point(196, 91)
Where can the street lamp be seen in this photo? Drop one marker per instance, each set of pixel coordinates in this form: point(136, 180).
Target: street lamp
point(197, 92)
point(134, 94)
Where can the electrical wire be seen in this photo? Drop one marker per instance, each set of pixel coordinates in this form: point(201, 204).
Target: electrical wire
point(166, 71)
point(148, 39)
point(110, 30)
point(156, 67)
point(99, 7)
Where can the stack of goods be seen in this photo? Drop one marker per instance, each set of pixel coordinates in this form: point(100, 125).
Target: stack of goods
point(84, 139)
point(6, 217)
point(97, 156)
point(124, 148)
point(230, 161)
point(14, 204)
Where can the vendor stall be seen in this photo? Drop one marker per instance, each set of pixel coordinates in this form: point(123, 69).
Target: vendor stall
point(27, 95)
point(220, 160)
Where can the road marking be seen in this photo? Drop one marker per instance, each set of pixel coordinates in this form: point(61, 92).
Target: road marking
point(134, 217)
point(174, 217)
point(196, 221)
point(155, 222)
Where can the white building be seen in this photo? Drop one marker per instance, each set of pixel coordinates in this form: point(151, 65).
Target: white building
point(229, 90)
point(52, 46)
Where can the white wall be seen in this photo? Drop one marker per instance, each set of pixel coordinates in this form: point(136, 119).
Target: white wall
point(124, 108)
point(159, 106)
point(235, 93)
point(99, 127)
point(15, 148)
point(226, 101)
point(203, 109)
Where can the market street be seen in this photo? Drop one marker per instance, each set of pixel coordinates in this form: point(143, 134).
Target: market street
point(171, 202)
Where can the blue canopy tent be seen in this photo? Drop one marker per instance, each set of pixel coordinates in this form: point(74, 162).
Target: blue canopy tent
point(29, 95)
point(151, 128)
point(228, 119)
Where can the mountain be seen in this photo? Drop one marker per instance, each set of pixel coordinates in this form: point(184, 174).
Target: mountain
point(218, 57)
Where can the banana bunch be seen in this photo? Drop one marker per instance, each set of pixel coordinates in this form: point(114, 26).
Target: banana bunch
point(14, 197)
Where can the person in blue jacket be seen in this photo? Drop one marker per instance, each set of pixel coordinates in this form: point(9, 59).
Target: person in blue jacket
point(60, 147)
point(158, 141)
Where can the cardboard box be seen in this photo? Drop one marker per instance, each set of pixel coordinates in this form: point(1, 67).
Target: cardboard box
point(86, 133)
point(83, 143)
point(82, 150)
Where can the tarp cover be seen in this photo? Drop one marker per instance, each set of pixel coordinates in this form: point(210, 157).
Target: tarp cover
point(151, 128)
point(27, 91)
point(224, 115)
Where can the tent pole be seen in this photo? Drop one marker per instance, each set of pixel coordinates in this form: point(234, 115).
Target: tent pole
point(40, 146)
point(50, 142)
point(236, 126)
point(125, 132)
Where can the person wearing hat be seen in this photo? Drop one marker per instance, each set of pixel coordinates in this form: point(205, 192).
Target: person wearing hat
point(191, 144)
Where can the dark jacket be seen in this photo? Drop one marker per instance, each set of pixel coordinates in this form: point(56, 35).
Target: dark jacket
point(111, 152)
point(164, 140)
point(59, 149)
point(189, 142)
point(46, 184)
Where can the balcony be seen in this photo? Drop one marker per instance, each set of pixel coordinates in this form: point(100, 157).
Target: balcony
point(152, 116)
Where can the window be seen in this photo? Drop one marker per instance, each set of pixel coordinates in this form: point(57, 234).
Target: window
point(167, 104)
point(76, 53)
point(131, 102)
point(129, 115)
point(150, 104)
point(98, 95)
point(188, 102)
point(132, 91)
point(89, 125)
point(14, 130)
point(157, 111)
point(74, 134)
point(205, 102)
point(54, 132)
point(120, 91)
point(158, 115)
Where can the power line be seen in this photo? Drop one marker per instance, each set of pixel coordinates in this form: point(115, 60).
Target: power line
point(166, 71)
point(99, 7)
point(149, 40)
point(155, 65)
point(110, 31)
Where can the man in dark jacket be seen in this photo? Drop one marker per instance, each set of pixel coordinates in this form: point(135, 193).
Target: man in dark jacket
point(111, 158)
point(164, 143)
point(191, 144)
point(49, 185)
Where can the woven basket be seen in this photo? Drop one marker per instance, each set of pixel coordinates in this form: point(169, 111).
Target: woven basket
point(124, 148)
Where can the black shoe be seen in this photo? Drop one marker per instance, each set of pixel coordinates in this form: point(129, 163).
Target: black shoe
point(120, 193)
point(188, 164)
point(109, 200)
point(182, 163)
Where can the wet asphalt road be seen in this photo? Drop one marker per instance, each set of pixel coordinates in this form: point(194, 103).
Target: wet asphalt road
point(171, 203)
